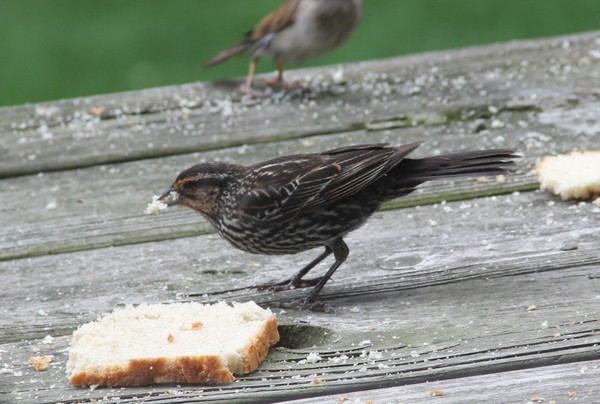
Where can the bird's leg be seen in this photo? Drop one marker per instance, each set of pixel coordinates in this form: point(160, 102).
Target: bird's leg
point(279, 82)
point(296, 280)
point(251, 73)
point(340, 252)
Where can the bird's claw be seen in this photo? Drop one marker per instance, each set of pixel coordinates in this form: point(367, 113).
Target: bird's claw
point(291, 283)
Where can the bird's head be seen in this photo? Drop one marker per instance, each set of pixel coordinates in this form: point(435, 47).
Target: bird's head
point(199, 187)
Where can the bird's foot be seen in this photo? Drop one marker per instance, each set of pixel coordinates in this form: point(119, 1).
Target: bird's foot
point(291, 283)
point(253, 93)
point(286, 85)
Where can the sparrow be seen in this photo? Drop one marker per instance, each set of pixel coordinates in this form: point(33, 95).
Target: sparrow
point(296, 31)
point(300, 202)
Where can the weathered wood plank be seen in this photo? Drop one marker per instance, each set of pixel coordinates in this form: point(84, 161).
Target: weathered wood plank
point(449, 299)
point(558, 383)
point(422, 90)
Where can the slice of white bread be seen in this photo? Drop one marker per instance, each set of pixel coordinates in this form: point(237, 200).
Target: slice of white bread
point(171, 343)
point(572, 176)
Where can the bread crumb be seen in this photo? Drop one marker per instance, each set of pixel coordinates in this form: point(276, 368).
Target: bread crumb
point(316, 380)
point(170, 338)
point(532, 307)
point(436, 393)
point(196, 325)
point(312, 357)
point(572, 394)
point(157, 206)
point(537, 399)
point(597, 202)
point(572, 176)
point(482, 180)
point(97, 111)
point(41, 363)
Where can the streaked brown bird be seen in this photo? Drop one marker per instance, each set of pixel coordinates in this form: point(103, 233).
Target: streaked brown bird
point(296, 31)
point(300, 202)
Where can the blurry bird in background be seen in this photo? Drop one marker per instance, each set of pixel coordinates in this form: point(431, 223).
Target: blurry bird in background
point(296, 31)
point(296, 203)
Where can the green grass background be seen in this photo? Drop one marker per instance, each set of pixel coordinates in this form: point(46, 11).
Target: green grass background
point(51, 49)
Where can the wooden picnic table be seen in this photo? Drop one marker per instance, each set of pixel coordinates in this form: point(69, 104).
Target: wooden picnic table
point(464, 291)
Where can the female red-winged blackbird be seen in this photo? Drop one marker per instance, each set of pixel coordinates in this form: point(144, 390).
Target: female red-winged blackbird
point(295, 203)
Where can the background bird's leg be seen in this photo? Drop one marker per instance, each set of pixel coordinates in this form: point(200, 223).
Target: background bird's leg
point(296, 280)
point(251, 73)
point(340, 251)
point(279, 82)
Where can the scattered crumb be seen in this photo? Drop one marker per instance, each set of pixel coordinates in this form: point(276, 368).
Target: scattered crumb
point(316, 380)
point(597, 202)
point(338, 75)
point(196, 325)
point(532, 307)
point(501, 179)
point(374, 355)
point(48, 339)
point(497, 124)
point(170, 338)
point(482, 180)
point(537, 399)
point(97, 111)
point(338, 359)
point(51, 205)
point(41, 363)
point(313, 357)
point(436, 393)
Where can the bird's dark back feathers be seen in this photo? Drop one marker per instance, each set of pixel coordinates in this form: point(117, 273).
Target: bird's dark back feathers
point(284, 187)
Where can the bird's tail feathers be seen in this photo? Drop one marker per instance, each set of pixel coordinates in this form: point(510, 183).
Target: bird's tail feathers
point(467, 164)
point(229, 53)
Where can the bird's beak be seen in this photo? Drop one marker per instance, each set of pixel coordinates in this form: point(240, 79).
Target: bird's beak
point(170, 197)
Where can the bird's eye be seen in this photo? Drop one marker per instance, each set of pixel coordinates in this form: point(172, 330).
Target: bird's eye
point(188, 185)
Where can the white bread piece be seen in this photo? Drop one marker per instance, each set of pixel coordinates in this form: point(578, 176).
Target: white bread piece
point(171, 343)
point(572, 176)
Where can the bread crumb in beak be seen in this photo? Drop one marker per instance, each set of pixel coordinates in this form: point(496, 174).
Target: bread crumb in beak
point(161, 203)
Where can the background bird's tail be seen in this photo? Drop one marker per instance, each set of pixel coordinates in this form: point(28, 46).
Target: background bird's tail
point(229, 53)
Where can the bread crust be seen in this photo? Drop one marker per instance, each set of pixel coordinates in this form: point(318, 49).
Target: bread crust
point(257, 350)
point(140, 372)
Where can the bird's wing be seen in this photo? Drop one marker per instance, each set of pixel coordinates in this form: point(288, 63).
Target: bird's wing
point(278, 19)
point(283, 188)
